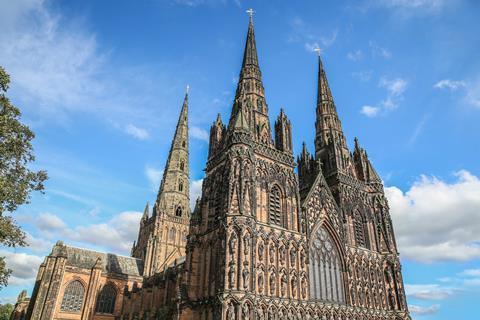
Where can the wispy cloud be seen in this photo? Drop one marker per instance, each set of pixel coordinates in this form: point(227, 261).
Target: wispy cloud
point(420, 310)
point(449, 84)
point(355, 55)
point(378, 51)
point(363, 76)
point(418, 129)
point(154, 176)
point(429, 291)
point(136, 132)
point(395, 89)
point(199, 134)
point(304, 33)
point(370, 111)
point(195, 191)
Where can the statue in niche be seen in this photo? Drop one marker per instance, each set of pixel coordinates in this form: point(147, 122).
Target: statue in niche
point(281, 253)
point(271, 315)
point(231, 312)
point(272, 283)
point(304, 288)
point(246, 243)
point(293, 256)
point(260, 282)
point(302, 259)
point(245, 312)
point(391, 298)
point(260, 251)
point(283, 284)
point(233, 245)
point(231, 274)
point(260, 315)
point(246, 276)
point(294, 286)
point(271, 253)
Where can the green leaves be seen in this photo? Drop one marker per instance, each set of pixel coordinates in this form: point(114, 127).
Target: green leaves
point(17, 180)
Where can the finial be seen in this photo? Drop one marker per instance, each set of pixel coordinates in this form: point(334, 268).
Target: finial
point(188, 88)
point(318, 51)
point(250, 13)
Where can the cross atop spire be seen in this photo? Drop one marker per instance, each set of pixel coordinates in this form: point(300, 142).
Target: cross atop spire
point(187, 89)
point(318, 51)
point(250, 13)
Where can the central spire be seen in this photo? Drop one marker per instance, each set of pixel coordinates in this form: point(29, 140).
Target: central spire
point(250, 110)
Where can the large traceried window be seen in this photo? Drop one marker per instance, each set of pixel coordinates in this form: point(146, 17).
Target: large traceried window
point(326, 281)
point(275, 207)
point(73, 297)
point(106, 300)
point(359, 229)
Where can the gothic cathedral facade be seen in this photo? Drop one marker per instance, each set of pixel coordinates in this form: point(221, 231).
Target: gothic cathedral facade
point(271, 237)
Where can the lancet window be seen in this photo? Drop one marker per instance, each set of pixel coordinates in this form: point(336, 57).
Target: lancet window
point(326, 281)
point(73, 297)
point(106, 300)
point(359, 229)
point(275, 207)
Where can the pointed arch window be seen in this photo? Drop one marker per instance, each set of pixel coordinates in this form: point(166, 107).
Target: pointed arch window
point(178, 212)
point(326, 281)
point(73, 297)
point(182, 165)
point(180, 186)
point(359, 229)
point(275, 207)
point(106, 300)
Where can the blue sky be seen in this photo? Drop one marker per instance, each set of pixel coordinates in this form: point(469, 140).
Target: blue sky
point(101, 83)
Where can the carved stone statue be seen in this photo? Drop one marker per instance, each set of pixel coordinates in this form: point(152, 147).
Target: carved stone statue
point(232, 245)
point(293, 256)
point(260, 251)
point(271, 253)
point(304, 288)
point(391, 299)
point(294, 286)
point(246, 243)
point(246, 277)
point(231, 312)
point(245, 312)
point(281, 253)
point(260, 282)
point(283, 284)
point(272, 283)
point(302, 259)
point(231, 275)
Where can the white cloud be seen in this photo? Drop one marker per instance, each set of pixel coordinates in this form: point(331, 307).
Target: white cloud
point(396, 87)
point(24, 267)
point(48, 222)
point(449, 84)
point(363, 75)
point(378, 51)
point(423, 310)
point(154, 176)
point(370, 111)
point(471, 272)
point(117, 234)
point(199, 133)
point(136, 132)
point(429, 291)
point(473, 94)
point(355, 55)
point(195, 192)
point(428, 5)
point(438, 221)
point(309, 36)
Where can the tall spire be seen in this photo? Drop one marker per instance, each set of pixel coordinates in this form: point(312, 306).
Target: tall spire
point(250, 110)
point(176, 177)
point(328, 125)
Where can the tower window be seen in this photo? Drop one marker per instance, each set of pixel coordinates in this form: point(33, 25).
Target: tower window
point(73, 297)
point(178, 212)
point(106, 300)
point(180, 186)
point(275, 206)
point(182, 165)
point(184, 144)
point(359, 229)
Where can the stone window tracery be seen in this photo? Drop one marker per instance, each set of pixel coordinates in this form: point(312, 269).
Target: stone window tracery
point(326, 281)
point(73, 297)
point(106, 300)
point(178, 212)
point(275, 206)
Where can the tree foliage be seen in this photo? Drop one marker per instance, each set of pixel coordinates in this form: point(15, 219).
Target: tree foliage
point(5, 311)
point(17, 179)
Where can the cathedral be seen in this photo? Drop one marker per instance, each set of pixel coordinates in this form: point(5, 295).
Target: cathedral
point(272, 236)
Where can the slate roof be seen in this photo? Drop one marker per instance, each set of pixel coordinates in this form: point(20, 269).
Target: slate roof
point(111, 263)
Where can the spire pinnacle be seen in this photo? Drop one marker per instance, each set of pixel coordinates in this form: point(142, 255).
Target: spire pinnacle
point(250, 13)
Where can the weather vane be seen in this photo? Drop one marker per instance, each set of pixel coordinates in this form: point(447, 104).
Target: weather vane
point(250, 13)
point(318, 51)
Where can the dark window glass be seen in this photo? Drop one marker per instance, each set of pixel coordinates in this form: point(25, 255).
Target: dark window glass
point(106, 300)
